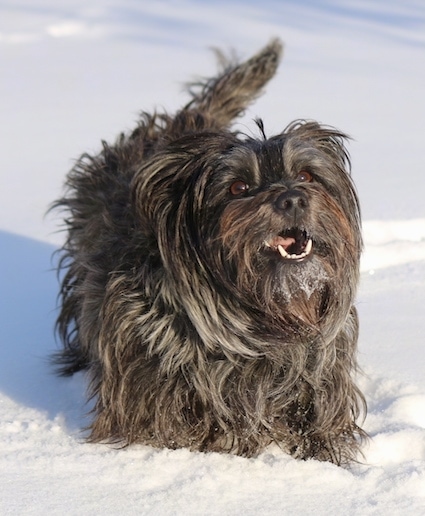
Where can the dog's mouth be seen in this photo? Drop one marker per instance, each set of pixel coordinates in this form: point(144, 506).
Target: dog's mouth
point(291, 244)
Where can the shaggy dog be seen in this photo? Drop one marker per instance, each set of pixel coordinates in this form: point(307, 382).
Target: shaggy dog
point(210, 279)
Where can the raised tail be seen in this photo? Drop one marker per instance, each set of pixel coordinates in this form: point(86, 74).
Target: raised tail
point(226, 96)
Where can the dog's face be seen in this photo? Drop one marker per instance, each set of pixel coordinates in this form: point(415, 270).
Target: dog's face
point(270, 220)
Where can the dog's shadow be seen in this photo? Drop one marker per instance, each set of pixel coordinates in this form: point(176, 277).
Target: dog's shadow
point(28, 294)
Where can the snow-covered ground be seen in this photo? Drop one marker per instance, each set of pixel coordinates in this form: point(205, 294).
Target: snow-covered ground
point(74, 72)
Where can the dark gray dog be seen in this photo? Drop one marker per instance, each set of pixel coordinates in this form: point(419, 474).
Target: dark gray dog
point(210, 280)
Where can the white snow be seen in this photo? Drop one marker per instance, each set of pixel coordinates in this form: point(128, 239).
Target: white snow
point(75, 72)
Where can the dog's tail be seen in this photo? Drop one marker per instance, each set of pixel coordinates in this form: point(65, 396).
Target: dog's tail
point(224, 97)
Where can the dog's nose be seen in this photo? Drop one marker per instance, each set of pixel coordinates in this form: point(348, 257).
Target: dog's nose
point(292, 202)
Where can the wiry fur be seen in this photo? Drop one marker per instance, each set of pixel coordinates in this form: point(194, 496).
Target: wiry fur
point(194, 332)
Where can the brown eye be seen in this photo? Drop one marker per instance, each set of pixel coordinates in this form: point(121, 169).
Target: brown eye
point(304, 177)
point(238, 188)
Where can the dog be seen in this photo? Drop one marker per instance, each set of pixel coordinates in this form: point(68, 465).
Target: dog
point(209, 280)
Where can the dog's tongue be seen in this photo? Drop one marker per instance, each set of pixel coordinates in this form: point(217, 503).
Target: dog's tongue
point(285, 242)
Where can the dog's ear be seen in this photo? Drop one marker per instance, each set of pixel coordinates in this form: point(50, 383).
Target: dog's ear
point(224, 97)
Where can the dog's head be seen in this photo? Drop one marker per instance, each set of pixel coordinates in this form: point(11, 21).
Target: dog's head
point(292, 213)
point(269, 217)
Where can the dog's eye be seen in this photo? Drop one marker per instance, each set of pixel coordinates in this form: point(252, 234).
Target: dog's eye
point(304, 177)
point(238, 188)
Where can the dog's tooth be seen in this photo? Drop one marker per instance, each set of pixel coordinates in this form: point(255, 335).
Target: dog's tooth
point(308, 247)
point(282, 251)
point(267, 244)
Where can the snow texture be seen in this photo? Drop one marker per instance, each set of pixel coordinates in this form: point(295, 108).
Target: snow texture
point(76, 72)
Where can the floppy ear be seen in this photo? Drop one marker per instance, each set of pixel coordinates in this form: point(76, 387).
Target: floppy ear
point(226, 96)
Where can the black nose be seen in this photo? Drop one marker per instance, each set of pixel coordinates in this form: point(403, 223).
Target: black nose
point(292, 202)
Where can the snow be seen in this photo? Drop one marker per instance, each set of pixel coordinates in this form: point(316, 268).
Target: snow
point(76, 72)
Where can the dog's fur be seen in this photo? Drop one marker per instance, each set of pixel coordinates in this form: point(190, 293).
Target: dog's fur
point(195, 331)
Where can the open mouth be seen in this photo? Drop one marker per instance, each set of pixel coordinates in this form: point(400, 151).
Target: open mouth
point(292, 244)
